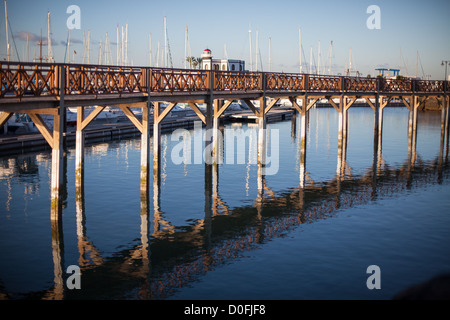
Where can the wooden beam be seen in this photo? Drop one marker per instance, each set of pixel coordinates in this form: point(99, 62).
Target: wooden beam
point(295, 104)
point(252, 106)
point(352, 101)
point(4, 116)
point(408, 105)
point(271, 104)
point(166, 112)
point(310, 104)
point(218, 113)
point(91, 116)
point(370, 103)
point(384, 104)
point(132, 117)
point(335, 106)
point(51, 111)
point(42, 127)
point(198, 112)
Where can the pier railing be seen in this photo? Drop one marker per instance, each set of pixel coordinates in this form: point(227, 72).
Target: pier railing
point(20, 80)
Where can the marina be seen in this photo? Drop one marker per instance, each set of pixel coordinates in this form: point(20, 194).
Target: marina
point(130, 171)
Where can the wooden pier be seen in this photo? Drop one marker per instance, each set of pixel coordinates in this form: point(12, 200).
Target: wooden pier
point(37, 89)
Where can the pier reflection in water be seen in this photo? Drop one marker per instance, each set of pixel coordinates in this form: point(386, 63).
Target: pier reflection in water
point(199, 223)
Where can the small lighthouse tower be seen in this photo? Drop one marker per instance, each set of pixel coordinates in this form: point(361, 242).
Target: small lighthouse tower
point(206, 59)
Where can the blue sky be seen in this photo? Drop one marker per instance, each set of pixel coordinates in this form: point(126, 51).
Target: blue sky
point(407, 27)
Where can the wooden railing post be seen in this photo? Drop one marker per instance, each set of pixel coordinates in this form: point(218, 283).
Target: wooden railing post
point(306, 82)
point(342, 84)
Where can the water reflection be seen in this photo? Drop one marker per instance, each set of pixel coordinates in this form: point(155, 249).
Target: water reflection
point(168, 257)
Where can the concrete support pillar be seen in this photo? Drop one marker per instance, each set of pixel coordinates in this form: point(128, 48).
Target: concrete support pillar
point(412, 130)
point(380, 126)
point(342, 136)
point(261, 144)
point(156, 137)
point(303, 136)
point(377, 132)
point(79, 152)
point(217, 137)
point(444, 119)
point(447, 123)
point(209, 132)
point(57, 155)
point(145, 149)
point(156, 198)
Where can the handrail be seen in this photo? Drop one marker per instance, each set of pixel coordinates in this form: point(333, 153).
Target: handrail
point(22, 79)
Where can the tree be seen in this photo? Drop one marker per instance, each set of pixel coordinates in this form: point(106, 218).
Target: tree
point(192, 62)
point(197, 62)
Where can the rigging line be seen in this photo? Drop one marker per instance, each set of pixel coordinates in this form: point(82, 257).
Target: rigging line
point(14, 41)
point(303, 55)
point(260, 60)
point(421, 66)
point(65, 53)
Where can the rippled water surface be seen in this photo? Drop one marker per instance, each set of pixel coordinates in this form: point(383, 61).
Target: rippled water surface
point(207, 234)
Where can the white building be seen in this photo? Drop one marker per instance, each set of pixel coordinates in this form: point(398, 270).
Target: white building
point(209, 63)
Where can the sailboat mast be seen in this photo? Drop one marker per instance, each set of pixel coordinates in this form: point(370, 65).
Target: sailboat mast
point(331, 56)
point(318, 60)
point(123, 47)
point(28, 46)
point(88, 46)
point(310, 61)
point(158, 50)
point(126, 44)
point(350, 63)
point(8, 48)
point(150, 48)
point(49, 39)
point(270, 54)
point(185, 46)
point(68, 46)
point(300, 48)
point(118, 45)
point(250, 40)
point(40, 49)
point(166, 50)
point(256, 52)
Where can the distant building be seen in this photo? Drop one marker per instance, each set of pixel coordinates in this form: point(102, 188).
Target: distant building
point(208, 63)
point(388, 73)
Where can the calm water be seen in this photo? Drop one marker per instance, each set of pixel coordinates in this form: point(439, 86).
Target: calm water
point(201, 240)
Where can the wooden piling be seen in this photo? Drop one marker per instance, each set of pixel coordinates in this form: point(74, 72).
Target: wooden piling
point(145, 148)
point(58, 153)
point(79, 151)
